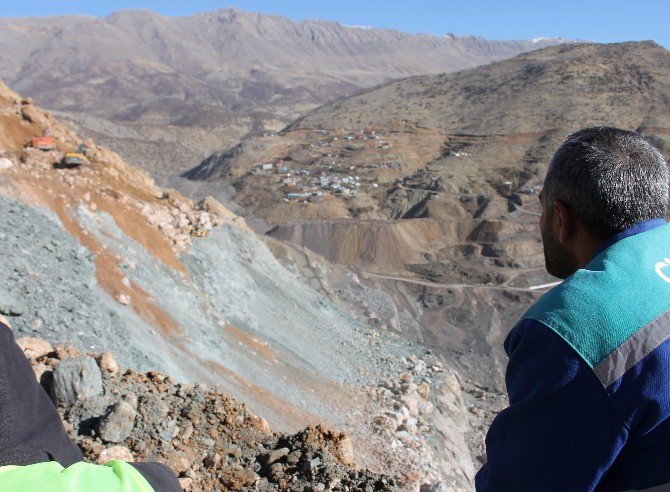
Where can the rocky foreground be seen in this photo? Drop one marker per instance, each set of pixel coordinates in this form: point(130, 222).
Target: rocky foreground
point(210, 440)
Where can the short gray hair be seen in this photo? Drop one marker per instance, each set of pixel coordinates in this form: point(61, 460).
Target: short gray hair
point(610, 178)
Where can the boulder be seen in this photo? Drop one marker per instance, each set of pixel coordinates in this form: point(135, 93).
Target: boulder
point(75, 378)
point(10, 305)
point(31, 114)
point(423, 390)
point(268, 459)
point(117, 425)
point(186, 483)
point(108, 363)
point(344, 451)
point(411, 401)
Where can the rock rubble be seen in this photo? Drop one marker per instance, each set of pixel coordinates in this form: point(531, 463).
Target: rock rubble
point(424, 402)
point(211, 441)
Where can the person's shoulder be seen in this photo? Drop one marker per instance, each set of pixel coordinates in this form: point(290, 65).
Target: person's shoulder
point(537, 337)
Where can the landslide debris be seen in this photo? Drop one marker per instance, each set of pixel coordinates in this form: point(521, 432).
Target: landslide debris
point(210, 440)
point(108, 183)
point(102, 258)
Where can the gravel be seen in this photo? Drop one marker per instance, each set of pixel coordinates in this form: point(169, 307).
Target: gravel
point(211, 441)
point(50, 287)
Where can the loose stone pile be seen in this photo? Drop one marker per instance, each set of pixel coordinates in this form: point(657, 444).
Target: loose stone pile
point(424, 402)
point(211, 441)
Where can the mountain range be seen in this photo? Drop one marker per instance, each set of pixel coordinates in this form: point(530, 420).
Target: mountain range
point(454, 136)
point(166, 91)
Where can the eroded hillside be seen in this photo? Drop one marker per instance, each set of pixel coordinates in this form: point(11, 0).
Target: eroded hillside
point(466, 148)
point(99, 256)
point(441, 146)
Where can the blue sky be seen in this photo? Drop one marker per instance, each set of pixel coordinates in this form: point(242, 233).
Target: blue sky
point(592, 20)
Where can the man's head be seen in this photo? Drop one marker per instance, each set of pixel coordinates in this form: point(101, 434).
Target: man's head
point(600, 182)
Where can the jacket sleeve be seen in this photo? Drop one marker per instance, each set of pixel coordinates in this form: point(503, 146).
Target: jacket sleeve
point(113, 476)
point(160, 477)
point(560, 431)
point(31, 430)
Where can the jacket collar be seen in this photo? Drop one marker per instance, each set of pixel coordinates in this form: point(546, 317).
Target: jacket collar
point(645, 225)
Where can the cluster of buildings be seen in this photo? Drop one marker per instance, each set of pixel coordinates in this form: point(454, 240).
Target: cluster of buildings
point(325, 174)
point(303, 185)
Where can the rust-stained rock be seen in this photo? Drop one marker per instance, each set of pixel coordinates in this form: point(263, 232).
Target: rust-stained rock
point(34, 348)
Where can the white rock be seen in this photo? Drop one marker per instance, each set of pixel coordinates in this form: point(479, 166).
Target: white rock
point(115, 453)
point(425, 408)
point(412, 401)
point(108, 363)
point(186, 483)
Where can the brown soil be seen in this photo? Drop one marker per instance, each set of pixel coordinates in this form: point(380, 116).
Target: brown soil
point(211, 441)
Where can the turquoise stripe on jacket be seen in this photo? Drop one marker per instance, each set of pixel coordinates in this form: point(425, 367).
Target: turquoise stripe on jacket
point(621, 290)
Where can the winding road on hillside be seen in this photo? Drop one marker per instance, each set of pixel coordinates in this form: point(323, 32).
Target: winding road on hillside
point(428, 283)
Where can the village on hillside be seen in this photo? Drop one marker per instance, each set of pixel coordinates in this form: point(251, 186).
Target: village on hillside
point(337, 163)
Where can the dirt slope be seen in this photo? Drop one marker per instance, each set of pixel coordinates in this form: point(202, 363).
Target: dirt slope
point(557, 88)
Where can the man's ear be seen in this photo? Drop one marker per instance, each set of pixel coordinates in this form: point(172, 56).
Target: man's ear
point(566, 221)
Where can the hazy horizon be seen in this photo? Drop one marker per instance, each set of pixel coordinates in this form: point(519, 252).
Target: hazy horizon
point(614, 21)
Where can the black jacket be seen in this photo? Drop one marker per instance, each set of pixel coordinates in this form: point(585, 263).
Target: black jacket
point(31, 430)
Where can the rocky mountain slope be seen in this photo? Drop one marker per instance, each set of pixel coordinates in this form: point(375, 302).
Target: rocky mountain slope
point(428, 187)
point(164, 92)
point(555, 88)
point(100, 257)
point(453, 147)
point(459, 134)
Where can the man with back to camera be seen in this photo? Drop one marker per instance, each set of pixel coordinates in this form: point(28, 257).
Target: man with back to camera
point(589, 363)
